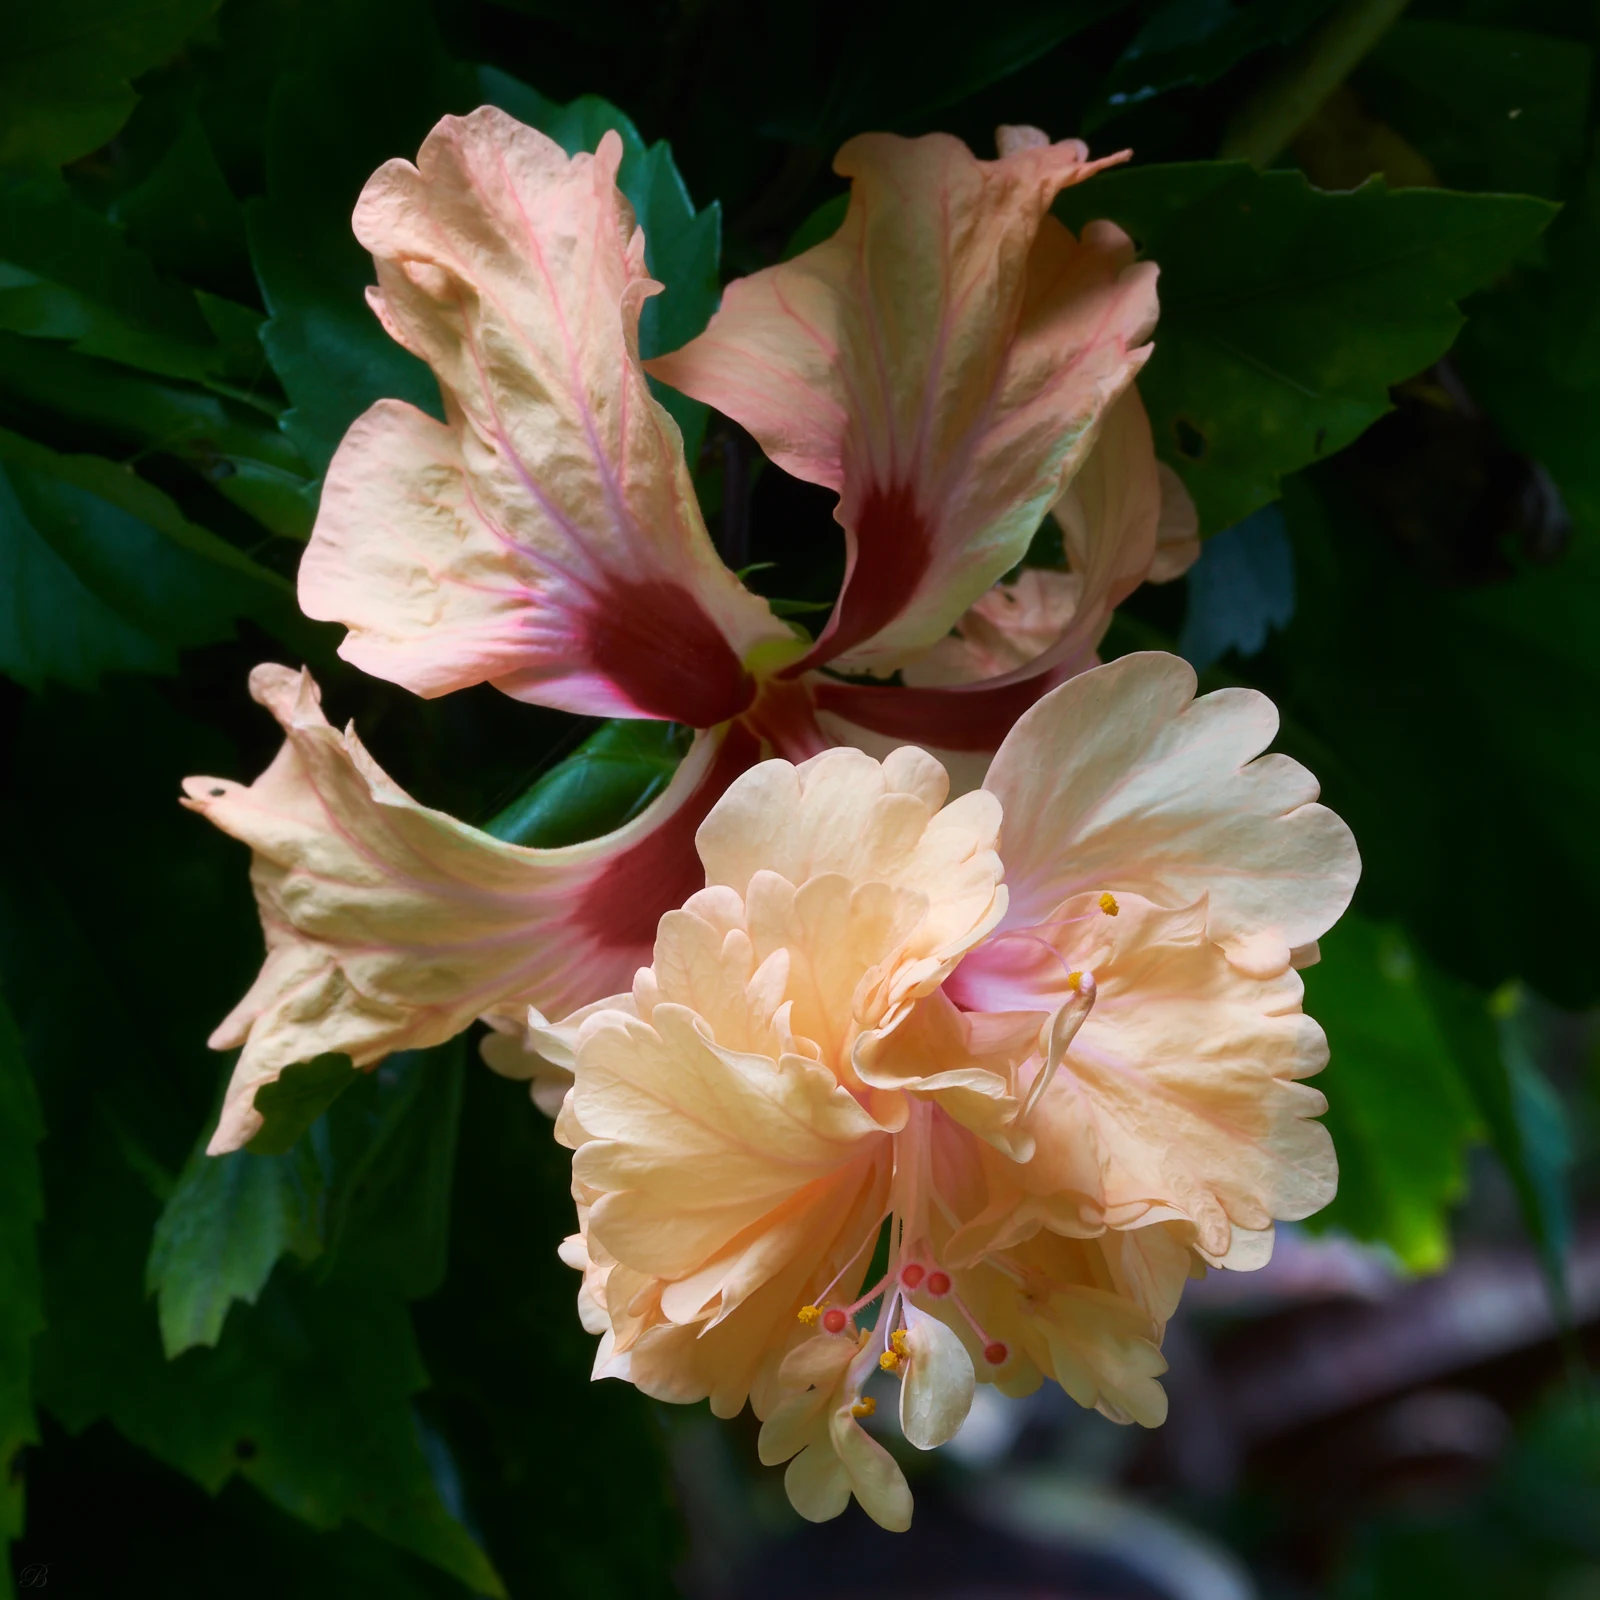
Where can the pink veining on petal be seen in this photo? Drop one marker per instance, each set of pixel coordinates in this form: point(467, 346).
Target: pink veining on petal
point(545, 537)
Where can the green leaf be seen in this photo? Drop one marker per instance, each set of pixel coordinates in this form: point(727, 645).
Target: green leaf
point(1491, 108)
point(367, 84)
point(364, 1183)
point(64, 76)
point(21, 1314)
point(1399, 1109)
point(294, 1100)
point(682, 246)
point(236, 450)
point(905, 61)
point(67, 273)
point(1451, 728)
point(1183, 43)
point(183, 214)
point(103, 573)
point(1287, 313)
point(512, 1395)
point(607, 781)
point(223, 1229)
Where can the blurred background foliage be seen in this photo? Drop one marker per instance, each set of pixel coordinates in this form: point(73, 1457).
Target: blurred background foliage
point(347, 1361)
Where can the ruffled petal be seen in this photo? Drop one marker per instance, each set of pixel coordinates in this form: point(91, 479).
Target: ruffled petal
point(936, 1392)
point(1122, 780)
point(944, 362)
point(390, 926)
point(546, 537)
point(1125, 519)
point(1179, 1098)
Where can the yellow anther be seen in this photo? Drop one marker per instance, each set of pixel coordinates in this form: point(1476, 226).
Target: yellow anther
point(898, 1343)
point(810, 1314)
point(1074, 981)
point(1108, 904)
point(888, 1361)
point(864, 1407)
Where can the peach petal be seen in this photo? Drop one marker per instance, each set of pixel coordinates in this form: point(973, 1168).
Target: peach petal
point(944, 362)
point(546, 537)
point(390, 926)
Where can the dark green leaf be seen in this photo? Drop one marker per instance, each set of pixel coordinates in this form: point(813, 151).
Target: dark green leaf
point(223, 1229)
point(1287, 313)
point(235, 449)
point(1188, 42)
point(389, 1149)
point(104, 573)
point(66, 272)
point(682, 246)
point(908, 59)
point(1491, 108)
point(293, 1101)
point(512, 1392)
point(365, 87)
point(21, 1317)
point(1399, 1109)
point(1453, 730)
point(608, 780)
point(183, 215)
point(66, 67)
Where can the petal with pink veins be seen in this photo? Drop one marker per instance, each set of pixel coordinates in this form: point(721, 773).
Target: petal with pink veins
point(1122, 780)
point(944, 362)
point(390, 926)
point(545, 538)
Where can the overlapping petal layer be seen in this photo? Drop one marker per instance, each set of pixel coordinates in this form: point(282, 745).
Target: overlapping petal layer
point(391, 926)
point(1121, 780)
point(944, 362)
point(546, 536)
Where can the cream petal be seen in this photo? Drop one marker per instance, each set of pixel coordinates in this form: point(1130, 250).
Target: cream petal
point(390, 926)
point(875, 1478)
point(1121, 780)
point(944, 362)
point(936, 1392)
point(546, 537)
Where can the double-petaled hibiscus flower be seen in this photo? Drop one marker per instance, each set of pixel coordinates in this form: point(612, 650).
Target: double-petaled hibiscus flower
point(1042, 1042)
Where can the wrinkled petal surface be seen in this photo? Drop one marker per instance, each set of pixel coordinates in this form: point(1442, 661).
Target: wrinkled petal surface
point(943, 362)
point(390, 926)
point(545, 537)
point(1122, 780)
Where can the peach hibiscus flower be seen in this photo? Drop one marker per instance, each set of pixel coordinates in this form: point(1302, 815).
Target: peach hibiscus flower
point(1043, 1045)
point(954, 363)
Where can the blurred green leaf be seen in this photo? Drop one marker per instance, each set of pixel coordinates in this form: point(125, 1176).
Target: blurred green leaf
point(1184, 43)
point(607, 781)
point(223, 1229)
point(1453, 738)
point(103, 573)
point(904, 60)
point(366, 84)
point(21, 1312)
point(64, 75)
point(1287, 313)
point(1491, 108)
point(240, 453)
point(511, 1389)
point(1399, 1111)
point(183, 214)
point(682, 246)
point(296, 1098)
point(67, 273)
